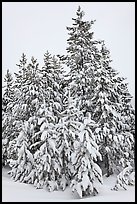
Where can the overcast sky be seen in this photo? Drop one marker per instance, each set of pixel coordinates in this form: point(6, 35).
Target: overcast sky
point(35, 27)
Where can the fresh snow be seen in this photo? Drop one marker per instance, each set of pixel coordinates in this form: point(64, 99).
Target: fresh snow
point(20, 192)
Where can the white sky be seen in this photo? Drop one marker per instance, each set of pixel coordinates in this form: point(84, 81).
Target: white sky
point(35, 27)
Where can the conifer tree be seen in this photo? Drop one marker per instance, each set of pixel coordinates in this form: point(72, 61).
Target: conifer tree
point(47, 157)
point(84, 160)
point(48, 163)
point(51, 75)
point(26, 101)
point(7, 116)
point(83, 59)
point(39, 107)
point(27, 83)
point(67, 128)
point(82, 51)
point(108, 108)
point(128, 112)
point(78, 149)
point(23, 167)
point(95, 85)
point(106, 103)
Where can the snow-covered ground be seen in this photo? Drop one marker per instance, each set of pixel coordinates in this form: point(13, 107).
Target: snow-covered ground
point(20, 192)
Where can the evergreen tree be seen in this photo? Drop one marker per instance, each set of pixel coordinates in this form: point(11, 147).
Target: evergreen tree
point(108, 108)
point(47, 157)
point(95, 85)
point(39, 105)
point(17, 110)
point(128, 112)
point(82, 52)
point(78, 148)
point(48, 162)
point(66, 129)
point(51, 75)
point(28, 86)
point(23, 166)
point(125, 177)
point(8, 94)
point(84, 160)
point(106, 102)
point(7, 117)
point(26, 100)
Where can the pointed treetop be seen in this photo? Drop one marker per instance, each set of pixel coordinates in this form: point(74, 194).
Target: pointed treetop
point(80, 13)
point(8, 76)
point(23, 59)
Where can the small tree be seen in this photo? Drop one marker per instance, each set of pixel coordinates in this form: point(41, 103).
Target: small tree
point(22, 167)
point(47, 158)
point(84, 160)
point(125, 177)
point(7, 117)
point(67, 128)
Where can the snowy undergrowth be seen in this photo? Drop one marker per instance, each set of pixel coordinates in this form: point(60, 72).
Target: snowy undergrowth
point(20, 192)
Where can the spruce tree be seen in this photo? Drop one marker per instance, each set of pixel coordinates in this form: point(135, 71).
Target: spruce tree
point(67, 128)
point(25, 104)
point(51, 75)
point(95, 85)
point(28, 86)
point(84, 160)
point(23, 167)
point(128, 112)
point(106, 103)
point(47, 156)
point(108, 111)
point(78, 148)
point(82, 52)
point(7, 116)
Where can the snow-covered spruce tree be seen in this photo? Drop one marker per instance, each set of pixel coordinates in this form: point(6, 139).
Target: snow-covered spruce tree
point(104, 111)
point(78, 148)
point(29, 98)
point(127, 144)
point(26, 101)
point(16, 110)
point(67, 128)
point(82, 51)
point(121, 87)
point(128, 119)
point(7, 117)
point(47, 158)
point(8, 91)
point(83, 59)
point(94, 86)
point(108, 108)
point(125, 177)
point(86, 171)
point(51, 75)
point(28, 86)
point(128, 112)
point(23, 167)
